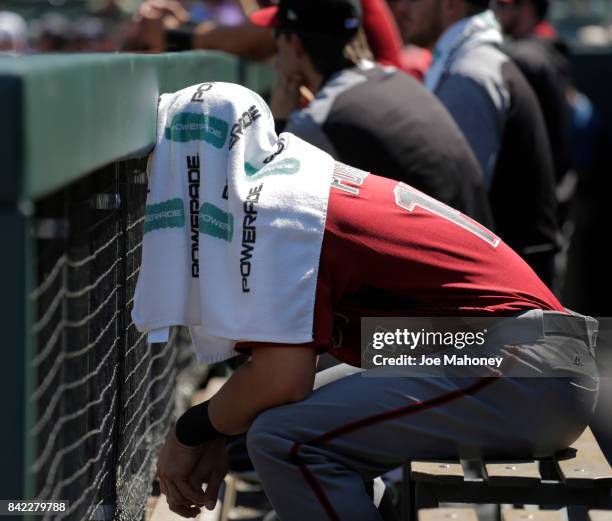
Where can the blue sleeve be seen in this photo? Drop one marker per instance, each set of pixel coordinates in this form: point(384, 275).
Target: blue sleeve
point(479, 114)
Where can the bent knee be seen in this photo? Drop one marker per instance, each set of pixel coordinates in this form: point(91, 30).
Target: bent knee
point(268, 437)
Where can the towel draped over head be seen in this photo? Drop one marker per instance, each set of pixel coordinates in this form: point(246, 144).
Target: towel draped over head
point(234, 223)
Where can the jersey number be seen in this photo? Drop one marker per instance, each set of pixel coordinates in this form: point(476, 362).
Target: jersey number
point(409, 198)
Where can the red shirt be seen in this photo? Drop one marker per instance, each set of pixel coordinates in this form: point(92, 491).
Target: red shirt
point(415, 61)
point(381, 32)
point(545, 31)
point(385, 41)
point(389, 250)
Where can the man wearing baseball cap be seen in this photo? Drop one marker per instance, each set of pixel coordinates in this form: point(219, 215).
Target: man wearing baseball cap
point(341, 18)
point(375, 118)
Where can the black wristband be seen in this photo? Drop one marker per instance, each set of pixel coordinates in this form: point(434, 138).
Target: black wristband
point(194, 428)
point(180, 39)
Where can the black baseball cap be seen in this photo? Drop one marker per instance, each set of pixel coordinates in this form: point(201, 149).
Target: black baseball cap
point(333, 18)
point(480, 3)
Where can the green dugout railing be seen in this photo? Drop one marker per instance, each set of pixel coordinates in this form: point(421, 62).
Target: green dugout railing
point(61, 118)
point(65, 115)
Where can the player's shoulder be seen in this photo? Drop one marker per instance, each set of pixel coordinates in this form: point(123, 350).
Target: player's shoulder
point(482, 63)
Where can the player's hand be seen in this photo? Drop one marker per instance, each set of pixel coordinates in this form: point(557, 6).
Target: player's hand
point(174, 468)
point(211, 469)
point(306, 96)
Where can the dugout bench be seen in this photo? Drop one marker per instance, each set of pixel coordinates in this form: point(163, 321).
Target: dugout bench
point(468, 514)
point(580, 475)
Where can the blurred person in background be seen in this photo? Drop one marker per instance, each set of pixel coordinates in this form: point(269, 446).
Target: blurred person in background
point(525, 19)
point(499, 114)
point(415, 60)
point(91, 35)
point(53, 33)
point(13, 33)
point(110, 10)
point(382, 34)
point(167, 25)
point(224, 12)
point(115, 21)
point(579, 141)
point(587, 284)
point(375, 118)
point(535, 48)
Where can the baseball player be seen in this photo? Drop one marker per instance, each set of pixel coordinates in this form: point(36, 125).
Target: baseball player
point(388, 250)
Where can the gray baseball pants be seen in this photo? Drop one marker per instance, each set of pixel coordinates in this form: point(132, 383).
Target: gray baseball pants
point(314, 456)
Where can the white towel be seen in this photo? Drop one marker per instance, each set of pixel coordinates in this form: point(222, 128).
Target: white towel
point(234, 223)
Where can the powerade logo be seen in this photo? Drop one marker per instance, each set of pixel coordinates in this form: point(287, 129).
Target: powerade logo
point(244, 122)
point(249, 235)
point(216, 223)
point(193, 180)
point(286, 166)
point(198, 96)
point(167, 214)
point(280, 146)
point(191, 126)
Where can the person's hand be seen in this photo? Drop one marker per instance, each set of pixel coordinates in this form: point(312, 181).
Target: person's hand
point(154, 17)
point(171, 12)
point(306, 96)
point(286, 95)
point(211, 469)
point(175, 468)
point(146, 32)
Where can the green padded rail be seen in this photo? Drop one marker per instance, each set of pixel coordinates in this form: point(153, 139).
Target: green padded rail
point(63, 116)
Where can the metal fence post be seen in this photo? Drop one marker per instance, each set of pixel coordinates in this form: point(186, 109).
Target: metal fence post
point(17, 378)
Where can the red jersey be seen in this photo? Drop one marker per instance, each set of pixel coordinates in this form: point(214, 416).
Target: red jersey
point(390, 250)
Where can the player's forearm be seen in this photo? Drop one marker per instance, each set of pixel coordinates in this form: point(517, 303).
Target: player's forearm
point(248, 41)
point(260, 385)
